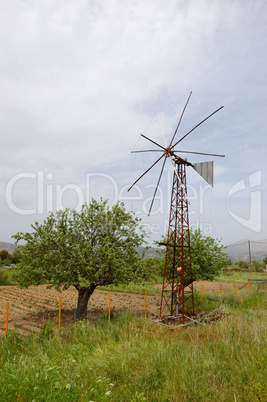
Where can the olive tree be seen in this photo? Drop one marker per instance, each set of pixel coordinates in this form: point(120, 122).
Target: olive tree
point(94, 247)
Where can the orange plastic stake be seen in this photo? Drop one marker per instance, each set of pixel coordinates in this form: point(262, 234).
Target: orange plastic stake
point(145, 303)
point(109, 304)
point(235, 290)
point(59, 313)
point(7, 307)
point(239, 294)
point(261, 287)
point(202, 291)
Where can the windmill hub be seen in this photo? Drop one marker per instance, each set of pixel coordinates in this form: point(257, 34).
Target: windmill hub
point(167, 150)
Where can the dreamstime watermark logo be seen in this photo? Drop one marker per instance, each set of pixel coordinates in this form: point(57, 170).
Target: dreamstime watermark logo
point(253, 221)
point(38, 193)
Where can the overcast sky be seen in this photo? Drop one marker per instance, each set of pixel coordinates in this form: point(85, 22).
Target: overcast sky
point(80, 80)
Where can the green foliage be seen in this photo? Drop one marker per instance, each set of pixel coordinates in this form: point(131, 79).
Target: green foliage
point(4, 254)
point(265, 261)
point(4, 278)
point(208, 257)
point(153, 268)
point(243, 264)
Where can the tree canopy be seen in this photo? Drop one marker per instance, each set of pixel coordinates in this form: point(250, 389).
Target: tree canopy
point(94, 247)
point(207, 256)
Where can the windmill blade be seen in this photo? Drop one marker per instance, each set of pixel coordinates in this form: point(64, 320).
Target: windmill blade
point(142, 135)
point(196, 127)
point(205, 169)
point(174, 134)
point(153, 198)
point(147, 150)
point(146, 172)
point(199, 153)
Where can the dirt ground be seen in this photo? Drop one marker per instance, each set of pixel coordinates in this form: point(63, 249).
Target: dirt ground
point(30, 308)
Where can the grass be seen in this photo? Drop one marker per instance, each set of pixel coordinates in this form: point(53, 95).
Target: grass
point(136, 288)
point(133, 359)
point(240, 277)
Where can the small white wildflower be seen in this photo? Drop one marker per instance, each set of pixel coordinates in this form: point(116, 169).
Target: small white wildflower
point(112, 385)
point(73, 361)
point(68, 386)
point(108, 393)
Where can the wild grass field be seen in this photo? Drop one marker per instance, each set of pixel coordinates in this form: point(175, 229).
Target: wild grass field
point(133, 359)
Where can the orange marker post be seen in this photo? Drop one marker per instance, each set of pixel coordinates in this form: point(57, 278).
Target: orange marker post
point(261, 287)
point(7, 307)
point(59, 313)
point(109, 305)
point(238, 294)
point(145, 303)
point(235, 290)
point(202, 291)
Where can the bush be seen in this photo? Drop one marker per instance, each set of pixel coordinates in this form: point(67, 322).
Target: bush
point(243, 264)
point(4, 278)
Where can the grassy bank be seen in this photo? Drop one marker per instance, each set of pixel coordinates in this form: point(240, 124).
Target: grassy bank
point(133, 359)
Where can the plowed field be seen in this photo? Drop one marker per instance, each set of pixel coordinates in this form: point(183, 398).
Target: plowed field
point(30, 308)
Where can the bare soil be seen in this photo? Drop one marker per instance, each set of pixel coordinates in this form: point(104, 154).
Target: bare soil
point(30, 308)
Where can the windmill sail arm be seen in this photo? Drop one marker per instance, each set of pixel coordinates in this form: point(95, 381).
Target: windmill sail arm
point(199, 153)
point(149, 139)
point(189, 132)
point(146, 171)
point(152, 202)
point(147, 150)
point(174, 134)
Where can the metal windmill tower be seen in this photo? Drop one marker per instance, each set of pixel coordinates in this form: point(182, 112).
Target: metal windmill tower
point(177, 299)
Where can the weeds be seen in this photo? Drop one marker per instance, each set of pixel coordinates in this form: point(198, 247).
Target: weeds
point(133, 359)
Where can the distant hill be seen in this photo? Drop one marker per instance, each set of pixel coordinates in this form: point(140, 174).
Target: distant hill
point(236, 251)
point(240, 250)
point(7, 246)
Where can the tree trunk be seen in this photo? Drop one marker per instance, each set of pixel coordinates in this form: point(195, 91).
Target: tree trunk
point(84, 295)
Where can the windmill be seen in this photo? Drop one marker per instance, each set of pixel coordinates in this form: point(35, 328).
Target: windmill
point(177, 299)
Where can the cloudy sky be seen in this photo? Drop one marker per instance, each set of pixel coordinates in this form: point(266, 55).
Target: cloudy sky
point(80, 80)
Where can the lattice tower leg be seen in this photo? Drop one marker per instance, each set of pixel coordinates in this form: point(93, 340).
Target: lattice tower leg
point(177, 299)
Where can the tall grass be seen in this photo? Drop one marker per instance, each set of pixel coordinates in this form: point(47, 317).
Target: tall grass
point(133, 359)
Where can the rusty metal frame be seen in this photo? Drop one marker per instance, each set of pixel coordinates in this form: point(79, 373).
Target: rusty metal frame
point(177, 298)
